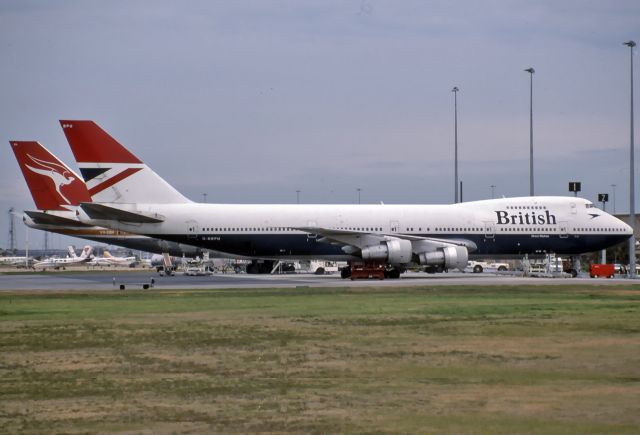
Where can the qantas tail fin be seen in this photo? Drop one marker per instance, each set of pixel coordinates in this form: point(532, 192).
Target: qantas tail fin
point(53, 185)
point(112, 173)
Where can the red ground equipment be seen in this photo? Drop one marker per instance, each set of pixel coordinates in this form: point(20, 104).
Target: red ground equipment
point(602, 271)
point(367, 271)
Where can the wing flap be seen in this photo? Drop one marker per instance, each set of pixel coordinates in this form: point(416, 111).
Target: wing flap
point(43, 218)
point(104, 212)
point(361, 239)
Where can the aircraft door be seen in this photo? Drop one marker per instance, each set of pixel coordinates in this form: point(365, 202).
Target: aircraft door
point(489, 229)
point(192, 229)
point(563, 229)
point(394, 226)
point(312, 235)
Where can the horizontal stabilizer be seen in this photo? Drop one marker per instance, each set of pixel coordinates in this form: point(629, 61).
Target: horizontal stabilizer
point(42, 218)
point(104, 212)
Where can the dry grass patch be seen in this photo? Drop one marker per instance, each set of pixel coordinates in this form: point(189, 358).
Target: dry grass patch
point(450, 360)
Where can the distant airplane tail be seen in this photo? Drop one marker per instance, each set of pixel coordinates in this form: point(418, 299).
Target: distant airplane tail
point(86, 252)
point(53, 185)
point(72, 251)
point(166, 260)
point(112, 173)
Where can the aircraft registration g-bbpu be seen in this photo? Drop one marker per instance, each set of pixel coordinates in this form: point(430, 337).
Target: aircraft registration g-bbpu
point(127, 195)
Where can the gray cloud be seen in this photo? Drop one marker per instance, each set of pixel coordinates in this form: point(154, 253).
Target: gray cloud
point(249, 101)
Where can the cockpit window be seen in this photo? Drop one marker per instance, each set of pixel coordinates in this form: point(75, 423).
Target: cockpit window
point(589, 205)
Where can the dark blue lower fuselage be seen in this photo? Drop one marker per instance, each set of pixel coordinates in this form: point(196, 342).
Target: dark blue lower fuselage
point(305, 246)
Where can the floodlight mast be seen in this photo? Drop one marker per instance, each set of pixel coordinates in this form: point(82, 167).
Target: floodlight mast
point(456, 196)
point(531, 71)
point(632, 190)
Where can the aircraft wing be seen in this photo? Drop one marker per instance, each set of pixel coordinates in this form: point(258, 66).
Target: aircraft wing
point(362, 239)
point(105, 212)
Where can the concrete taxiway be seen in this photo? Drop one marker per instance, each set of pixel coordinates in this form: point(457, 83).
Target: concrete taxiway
point(136, 280)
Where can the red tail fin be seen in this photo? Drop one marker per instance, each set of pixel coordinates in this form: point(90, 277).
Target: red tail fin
point(91, 144)
point(52, 184)
point(112, 173)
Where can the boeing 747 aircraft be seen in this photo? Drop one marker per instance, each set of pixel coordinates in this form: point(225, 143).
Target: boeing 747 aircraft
point(128, 196)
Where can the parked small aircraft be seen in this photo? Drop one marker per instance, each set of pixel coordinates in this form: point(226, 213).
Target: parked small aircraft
point(109, 260)
point(61, 263)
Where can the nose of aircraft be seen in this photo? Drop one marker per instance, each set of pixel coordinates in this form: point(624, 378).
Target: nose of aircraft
point(628, 230)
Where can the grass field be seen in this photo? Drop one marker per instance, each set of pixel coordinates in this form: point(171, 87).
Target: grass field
point(535, 359)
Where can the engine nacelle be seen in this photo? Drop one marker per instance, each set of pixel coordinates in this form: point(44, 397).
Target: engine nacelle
point(395, 251)
point(449, 257)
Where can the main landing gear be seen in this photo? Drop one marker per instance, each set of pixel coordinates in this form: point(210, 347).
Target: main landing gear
point(260, 267)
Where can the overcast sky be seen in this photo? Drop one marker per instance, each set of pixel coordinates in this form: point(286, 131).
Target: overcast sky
point(249, 101)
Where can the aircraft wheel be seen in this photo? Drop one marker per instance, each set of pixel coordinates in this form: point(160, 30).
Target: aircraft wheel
point(477, 269)
point(392, 273)
point(345, 272)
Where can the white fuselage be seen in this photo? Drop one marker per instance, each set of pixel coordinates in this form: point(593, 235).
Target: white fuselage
point(59, 262)
point(500, 226)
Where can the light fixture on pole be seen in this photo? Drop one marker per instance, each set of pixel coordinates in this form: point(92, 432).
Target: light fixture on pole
point(531, 71)
point(359, 190)
point(493, 191)
point(632, 190)
point(575, 187)
point(204, 197)
point(455, 141)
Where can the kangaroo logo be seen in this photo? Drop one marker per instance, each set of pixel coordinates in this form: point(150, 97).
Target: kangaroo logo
point(59, 174)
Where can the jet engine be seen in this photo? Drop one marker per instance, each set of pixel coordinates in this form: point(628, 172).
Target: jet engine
point(449, 257)
point(396, 251)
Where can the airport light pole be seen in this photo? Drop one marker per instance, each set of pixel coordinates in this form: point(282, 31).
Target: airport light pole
point(632, 191)
point(493, 191)
point(359, 190)
point(12, 231)
point(204, 196)
point(26, 246)
point(613, 187)
point(603, 198)
point(531, 71)
point(455, 141)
